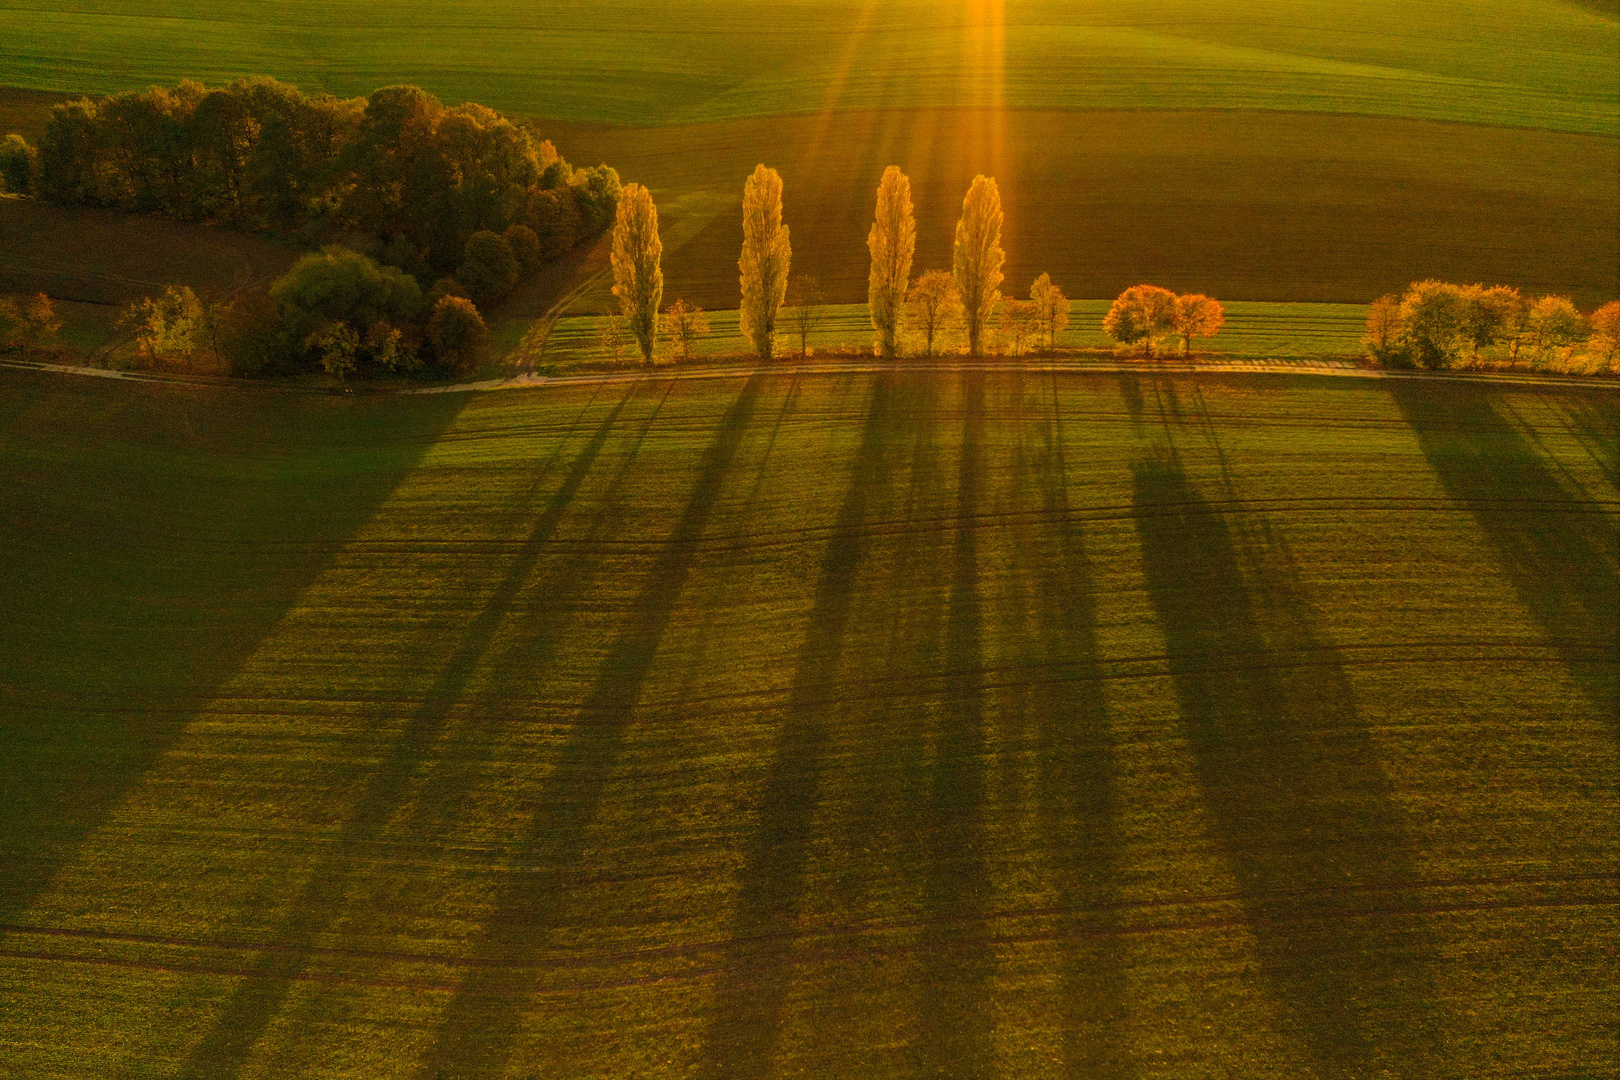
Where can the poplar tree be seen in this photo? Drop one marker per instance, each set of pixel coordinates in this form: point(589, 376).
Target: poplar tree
point(766, 254)
point(638, 280)
point(892, 242)
point(978, 259)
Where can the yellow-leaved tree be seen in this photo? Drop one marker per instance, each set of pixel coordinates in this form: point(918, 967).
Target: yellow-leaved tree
point(1051, 309)
point(1196, 316)
point(892, 242)
point(638, 280)
point(978, 259)
point(766, 254)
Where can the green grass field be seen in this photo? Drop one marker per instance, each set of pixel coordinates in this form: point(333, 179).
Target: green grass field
point(873, 725)
point(1530, 63)
point(1252, 331)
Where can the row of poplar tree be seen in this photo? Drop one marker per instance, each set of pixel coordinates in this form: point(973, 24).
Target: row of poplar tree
point(967, 297)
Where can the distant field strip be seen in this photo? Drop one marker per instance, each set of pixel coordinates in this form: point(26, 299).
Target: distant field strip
point(1530, 63)
point(911, 723)
point(1253, 330)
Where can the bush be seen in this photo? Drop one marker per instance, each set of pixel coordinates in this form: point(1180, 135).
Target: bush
point(456, 331)
point(1434, 320)
point(489, 269)
point(169, 327)
point(27, 320)
point(525, 247)
point(19, 166)
point(340, 285)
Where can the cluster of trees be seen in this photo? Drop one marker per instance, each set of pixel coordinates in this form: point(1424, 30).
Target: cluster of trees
point(1147, 315)
point(922, 314)
point(1438, 325)
point(409, 180)
point(417, 193)
point(338, 310)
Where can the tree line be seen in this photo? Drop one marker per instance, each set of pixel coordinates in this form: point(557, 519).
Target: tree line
point(923, 316)
point(435, 211)
point(1437, 325)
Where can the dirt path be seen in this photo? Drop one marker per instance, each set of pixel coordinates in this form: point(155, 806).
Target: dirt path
point(1340, 368)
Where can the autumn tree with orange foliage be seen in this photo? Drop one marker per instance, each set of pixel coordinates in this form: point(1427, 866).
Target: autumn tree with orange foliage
point(1141, 314)
point(1196, 316)
point(892, 243)
point(1606, 331)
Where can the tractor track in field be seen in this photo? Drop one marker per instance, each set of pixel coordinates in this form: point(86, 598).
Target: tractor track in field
point(857, 940)
point(533, 712)
point(1335, 368)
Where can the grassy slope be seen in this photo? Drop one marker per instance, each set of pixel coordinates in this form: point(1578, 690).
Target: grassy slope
point(1102, 726)
point(1535, 63)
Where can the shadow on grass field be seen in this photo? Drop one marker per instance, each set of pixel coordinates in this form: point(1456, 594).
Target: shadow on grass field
point(1297, 800)
point(1561, 554)
point(483, 1021)
point(208, 518)
point(898, 724)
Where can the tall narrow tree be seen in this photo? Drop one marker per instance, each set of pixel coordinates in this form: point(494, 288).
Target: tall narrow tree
point(766, 254)
point(892, 242)
point(978, 259)
point(638, 280)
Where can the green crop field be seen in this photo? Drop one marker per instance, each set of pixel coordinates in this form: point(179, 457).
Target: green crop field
point(1263, 150)
point(867, 725)
point(1532, 63)
point(1252, 331)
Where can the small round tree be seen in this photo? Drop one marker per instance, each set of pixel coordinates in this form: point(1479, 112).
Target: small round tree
point(456, 331)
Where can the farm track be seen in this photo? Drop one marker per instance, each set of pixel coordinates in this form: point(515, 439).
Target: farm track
point(1341, 369)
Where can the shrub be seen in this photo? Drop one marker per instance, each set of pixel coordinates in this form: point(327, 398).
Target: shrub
point(1605, 339)
point(525, 247)
point(1384, 340)
point(167, 327)
point(1434, 319)
point(456, 331)
point(27, 320)
point(19, 166)
point(1552, 325)
point(339, 285)
point(489, 268)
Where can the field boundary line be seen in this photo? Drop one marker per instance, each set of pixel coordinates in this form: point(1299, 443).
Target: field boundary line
point(787, 368)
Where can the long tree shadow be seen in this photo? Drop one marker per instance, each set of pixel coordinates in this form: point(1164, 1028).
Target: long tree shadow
point(958, 963)
point(1078, 801)
point(104, 543)
point(1289, 774)
point(483, 1022)
point(257, 999)
point(1561, 553)
point(757, 966)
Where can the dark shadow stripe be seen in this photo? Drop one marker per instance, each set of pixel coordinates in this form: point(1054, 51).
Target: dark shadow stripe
point(1289, 774)
point(1563, 567)
point(484, 1021)
point(756, 970)
point(242, 1020)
